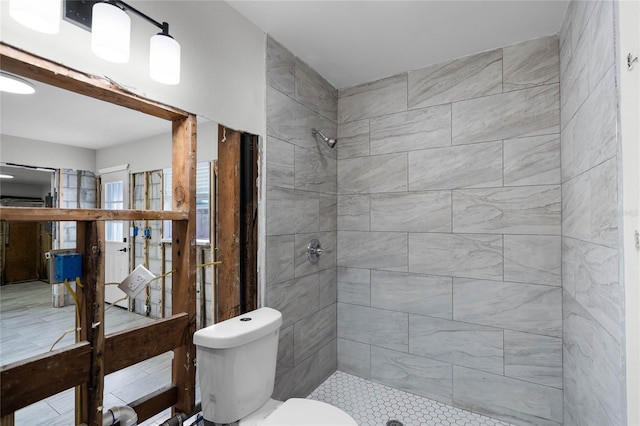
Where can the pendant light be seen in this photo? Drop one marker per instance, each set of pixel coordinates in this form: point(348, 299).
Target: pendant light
point(39, 15)
point(11, 84)
point(110, 32)
point(164, 58)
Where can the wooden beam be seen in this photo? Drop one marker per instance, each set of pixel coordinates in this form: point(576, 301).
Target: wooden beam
point(228, 292)
point(183, 257)
point(153, 403)
point(28, 214)
point(150, 340)
point(19, 62)
point(90, 239)
point(28, 381)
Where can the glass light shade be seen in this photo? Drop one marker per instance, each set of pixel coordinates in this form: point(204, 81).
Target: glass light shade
point(110, 33)
point(164, 59)
point(39, 15)
point(12, 84)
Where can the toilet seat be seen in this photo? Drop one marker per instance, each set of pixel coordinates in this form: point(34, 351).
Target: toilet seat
point(307, 412)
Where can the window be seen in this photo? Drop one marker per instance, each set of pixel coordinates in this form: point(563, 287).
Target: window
point(203, 213)
point(114, 200)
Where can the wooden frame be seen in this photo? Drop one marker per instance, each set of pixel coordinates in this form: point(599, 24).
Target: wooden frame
point(85, 364)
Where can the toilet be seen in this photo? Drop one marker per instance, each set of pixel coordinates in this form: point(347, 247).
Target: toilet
point(237, 368)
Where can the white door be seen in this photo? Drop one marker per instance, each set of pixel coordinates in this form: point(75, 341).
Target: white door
point(115, 196)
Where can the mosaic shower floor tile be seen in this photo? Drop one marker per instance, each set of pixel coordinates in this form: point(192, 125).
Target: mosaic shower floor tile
point(373, 404)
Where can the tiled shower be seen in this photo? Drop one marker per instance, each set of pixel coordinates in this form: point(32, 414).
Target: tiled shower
point(467, 207)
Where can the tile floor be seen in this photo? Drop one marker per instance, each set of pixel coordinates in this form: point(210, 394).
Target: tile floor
point(373, 404)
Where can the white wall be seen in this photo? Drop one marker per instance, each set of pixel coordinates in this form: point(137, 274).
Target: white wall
point(223, 67)
point(629, 37)
point(31, 152)
point(155, 152)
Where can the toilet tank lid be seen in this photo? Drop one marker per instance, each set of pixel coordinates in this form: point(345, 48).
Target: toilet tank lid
point(239, 330)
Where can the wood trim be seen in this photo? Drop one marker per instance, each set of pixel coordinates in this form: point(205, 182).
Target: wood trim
point(31, 380)
point(37, 68)
point(150, 340)
point(153, 403)
point(27, 214)
point(228, 295)
point(183, 257)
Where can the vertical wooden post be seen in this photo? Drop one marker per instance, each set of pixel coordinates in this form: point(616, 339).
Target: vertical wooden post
point(184, 256)
point(228, 297)
point(90, 244)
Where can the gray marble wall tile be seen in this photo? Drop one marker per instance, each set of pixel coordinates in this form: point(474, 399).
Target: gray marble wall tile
point(412, 293)
point(574, 82)
point(354, 213)
point(314, 171)
point(410, 373)
point(532, 161)
point(464, 78)
point(299, 381)
point(280, 68)
point(328, 241)
point(521, 307)
point(595, 370)
point(579, 14)
point(311, 333)
point(411, 212)
point(601, 41)
point(354, 358)
point(411, 130)
point(468, 166)
point(527, 112)
point(315, 92)
point(461, 255)
point(353, 139)
point(593, 271)
point(302, 212)
point(533, 358)
point(570, 262)
point(505, 398)
point(327, 360)
point(595, 126)
point(280, 258)
point(384, 250)
point(373, 326)
point(515, 210)
point(354, 286)
point(565, 45)
point(328, 220)
point(533, 259)
point(295, 298)
point(530, 63)
point(285, 348)
point(589, 205)
point(386, 96)
point(380, 173)
point(291, 121)
point(327, 287)
point(280, 163)
point(469, 345)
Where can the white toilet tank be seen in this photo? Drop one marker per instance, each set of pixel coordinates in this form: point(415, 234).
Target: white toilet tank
point(237, 364)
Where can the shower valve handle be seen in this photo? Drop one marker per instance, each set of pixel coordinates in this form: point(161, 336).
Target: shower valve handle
point(314, 250)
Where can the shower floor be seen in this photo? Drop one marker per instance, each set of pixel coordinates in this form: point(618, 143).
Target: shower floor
point(373, 404)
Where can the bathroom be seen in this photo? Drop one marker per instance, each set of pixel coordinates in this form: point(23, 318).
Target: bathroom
point(469, 214)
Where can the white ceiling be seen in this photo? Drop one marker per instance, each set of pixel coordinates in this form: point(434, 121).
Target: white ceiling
point(353, 42)
point(60, 116)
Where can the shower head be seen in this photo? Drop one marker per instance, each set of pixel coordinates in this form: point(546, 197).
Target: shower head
point(331, 142)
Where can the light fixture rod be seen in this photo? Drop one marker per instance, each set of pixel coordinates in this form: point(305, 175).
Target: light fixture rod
point(163, 26)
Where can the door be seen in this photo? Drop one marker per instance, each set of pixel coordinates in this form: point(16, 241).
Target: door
point(115, 196)
point(22, 251)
